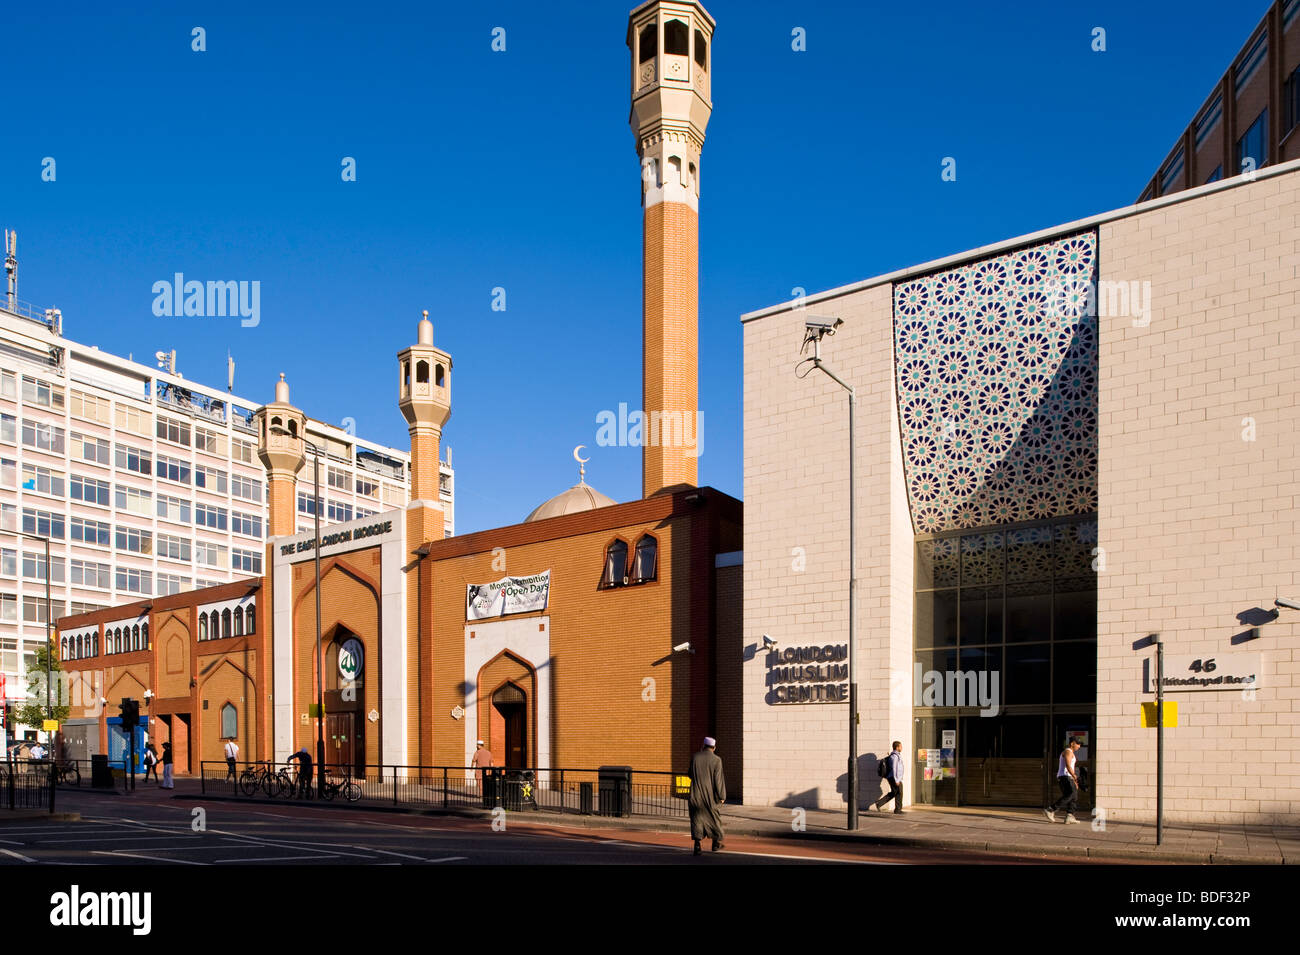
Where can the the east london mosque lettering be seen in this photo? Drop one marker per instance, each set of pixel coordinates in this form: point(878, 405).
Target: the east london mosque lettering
point(338, 537)
point(820, 676)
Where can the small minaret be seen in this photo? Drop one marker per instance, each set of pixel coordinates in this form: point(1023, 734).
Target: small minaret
point(425, 400)
point(672, 56)
point(280, 435)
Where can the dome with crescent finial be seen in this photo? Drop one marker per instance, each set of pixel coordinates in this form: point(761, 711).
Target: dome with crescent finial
point(581, 497)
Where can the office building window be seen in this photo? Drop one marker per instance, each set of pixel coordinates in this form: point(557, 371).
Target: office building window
point(139, 460)
point(37, 392)
point(43, 436)
point(1253, 144)
point(169, 429)
point(82, 606)
point(85, 531)
point(207, 515)
point(34, 609)
point(34, 568)
point(306, 505)
point(90, 449)
point(246, 489)
point(42, 523)
point(171, 584)
point(133, 580)
point(249, 525)
point(338, 511)
point(209, 441)
point(173, 509)
point(9, 610)
point(247, 561)
point(134, 420)
point(91, 408)
point(210, 479)
point(134, 499)
point(8, 429)
point(8, 473)
point(42, 480)
point(339, 479)
point(173, 548)
point(8, 562)
point(244, 451)
point(8, 385)
point(136, 540)
point(367, 487)
point(88, 573)
point(90, 490)
point(173, 469)
point(207, 554)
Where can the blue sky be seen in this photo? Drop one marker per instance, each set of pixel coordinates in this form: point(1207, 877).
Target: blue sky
point(479, 169)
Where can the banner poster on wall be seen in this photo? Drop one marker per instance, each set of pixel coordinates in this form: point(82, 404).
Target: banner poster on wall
point(508, 595)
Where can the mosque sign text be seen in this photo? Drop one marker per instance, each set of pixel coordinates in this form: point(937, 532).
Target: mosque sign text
point(808, 675)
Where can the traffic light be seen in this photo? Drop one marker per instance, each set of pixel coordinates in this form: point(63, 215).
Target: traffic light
point(130, 712)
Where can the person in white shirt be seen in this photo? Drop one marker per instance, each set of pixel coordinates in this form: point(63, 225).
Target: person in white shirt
point(1068, 780)
point(232, 754)
point(36, 752)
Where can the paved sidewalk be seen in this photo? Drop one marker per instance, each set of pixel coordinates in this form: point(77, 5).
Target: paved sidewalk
point(1007, 831)
point(1022, 832)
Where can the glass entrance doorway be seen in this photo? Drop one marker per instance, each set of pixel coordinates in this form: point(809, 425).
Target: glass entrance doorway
point(1007, 760)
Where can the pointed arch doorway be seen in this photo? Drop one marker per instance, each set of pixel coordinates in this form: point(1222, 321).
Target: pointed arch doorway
point(509, 718)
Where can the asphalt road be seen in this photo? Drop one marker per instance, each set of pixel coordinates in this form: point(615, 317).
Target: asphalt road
point(152, 829)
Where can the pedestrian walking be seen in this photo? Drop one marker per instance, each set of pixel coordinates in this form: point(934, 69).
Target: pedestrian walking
point(304, 771)
point(150, 760)
point(167, 767)
point(1067, 778)
point(482, 760)
point(708, 793)
point(232, 754)
point(892, 765)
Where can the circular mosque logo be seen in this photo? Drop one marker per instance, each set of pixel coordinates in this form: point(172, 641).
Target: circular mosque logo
point(350, 658)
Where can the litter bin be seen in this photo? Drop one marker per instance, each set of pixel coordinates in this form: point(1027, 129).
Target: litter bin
point(584, 798)
point(615, 784)
point(491, 787)
point(101, 777)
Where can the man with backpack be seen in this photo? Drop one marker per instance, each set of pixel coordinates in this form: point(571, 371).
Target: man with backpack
point(891, 770)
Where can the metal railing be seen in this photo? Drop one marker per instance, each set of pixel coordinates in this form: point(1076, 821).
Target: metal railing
point(612, 791)
point(27, 784)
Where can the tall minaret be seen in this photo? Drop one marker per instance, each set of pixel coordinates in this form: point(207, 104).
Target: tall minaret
point(425, 400)
point(280, 435)
point(671, 59)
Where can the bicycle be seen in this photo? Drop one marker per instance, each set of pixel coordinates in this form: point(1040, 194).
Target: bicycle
point(67, 773)
point(346, 788)
point(251, 779)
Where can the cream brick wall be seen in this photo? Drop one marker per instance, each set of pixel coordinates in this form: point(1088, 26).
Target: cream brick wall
point(796, 496)
point(1198, 524)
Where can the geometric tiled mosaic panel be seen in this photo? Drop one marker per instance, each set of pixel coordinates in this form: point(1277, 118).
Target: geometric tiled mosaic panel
point(996, 370)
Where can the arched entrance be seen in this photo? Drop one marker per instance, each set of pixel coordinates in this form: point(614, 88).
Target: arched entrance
point(509, 718)
point(345, 723)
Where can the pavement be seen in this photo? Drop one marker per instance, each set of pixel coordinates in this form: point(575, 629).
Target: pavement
point(1024, 833)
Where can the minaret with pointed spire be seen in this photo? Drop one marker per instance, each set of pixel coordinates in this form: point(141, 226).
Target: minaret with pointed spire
point(280, 446)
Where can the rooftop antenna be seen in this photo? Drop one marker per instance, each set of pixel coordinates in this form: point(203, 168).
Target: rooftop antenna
point(230, 372)
point(11, 266)
point(166, 360)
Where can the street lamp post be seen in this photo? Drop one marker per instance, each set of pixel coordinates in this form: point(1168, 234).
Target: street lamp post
point(814, 331)
point(320, 670)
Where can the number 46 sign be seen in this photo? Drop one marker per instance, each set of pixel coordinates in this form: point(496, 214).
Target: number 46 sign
point(1225, 671)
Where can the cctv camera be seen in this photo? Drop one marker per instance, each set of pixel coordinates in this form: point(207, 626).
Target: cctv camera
point(822, 328)
point(768, 642)
point(683, 648)
point(1288, 604)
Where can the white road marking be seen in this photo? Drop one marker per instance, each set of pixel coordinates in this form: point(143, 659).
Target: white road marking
point(49, 842)
point(136, 855)
point(447, 859)
point(17, 855)
point(279, 859)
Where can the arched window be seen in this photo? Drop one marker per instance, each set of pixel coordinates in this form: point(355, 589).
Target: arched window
point(239, 621)
point(229, 721)
point(135, 638)
point(214, 625)
point(203, 626)
point(644, 563)
point(250, 618)
point(649, 43)
point(406, 376)
point(225, 622)
point(79, 650)
point(701, 50)
point(94, 645)
point(293, 428)
point(421, 372)
point(144, 636)
point(676, 38)
point(615, 564)
point(117, 639)
point(63, 648)
point(439, 376)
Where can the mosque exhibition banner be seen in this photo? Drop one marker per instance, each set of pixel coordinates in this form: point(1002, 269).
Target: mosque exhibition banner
point(508, 595)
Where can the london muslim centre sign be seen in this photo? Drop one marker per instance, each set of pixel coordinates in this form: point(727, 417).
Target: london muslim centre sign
point(808, 675)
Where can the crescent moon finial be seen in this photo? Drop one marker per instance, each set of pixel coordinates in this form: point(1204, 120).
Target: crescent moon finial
point(582, 469)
